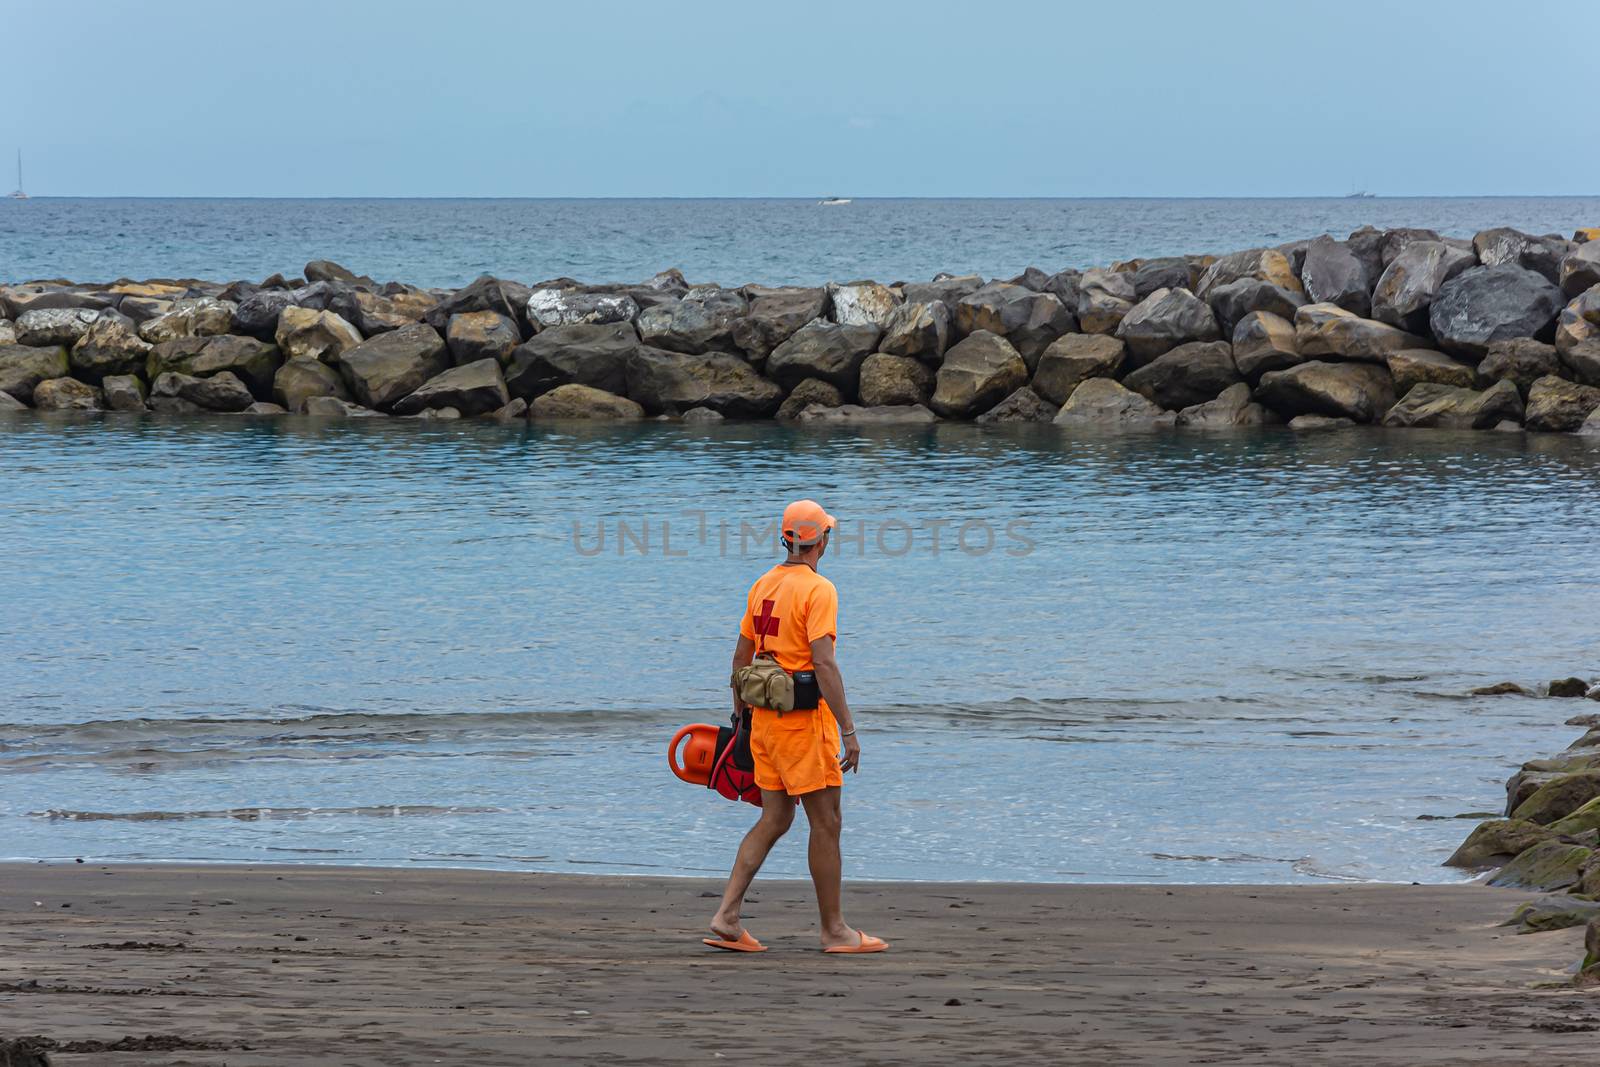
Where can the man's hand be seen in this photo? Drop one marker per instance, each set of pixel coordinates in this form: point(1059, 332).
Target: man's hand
point(852, 754)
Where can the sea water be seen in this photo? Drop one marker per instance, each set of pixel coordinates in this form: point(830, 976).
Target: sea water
point(449, 242)
point(1167, 657)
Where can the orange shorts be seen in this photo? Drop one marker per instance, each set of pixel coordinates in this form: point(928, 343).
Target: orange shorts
point(796, 752)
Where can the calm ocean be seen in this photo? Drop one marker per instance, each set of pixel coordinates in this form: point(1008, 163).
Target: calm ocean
point(1174, 657)
point(449, 242)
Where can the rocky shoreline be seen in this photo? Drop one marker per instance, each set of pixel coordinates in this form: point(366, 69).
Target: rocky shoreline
point(1549, 839)
point(1398, 327)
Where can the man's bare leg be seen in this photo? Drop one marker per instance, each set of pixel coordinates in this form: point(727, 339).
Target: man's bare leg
point(827, 870)
point(777, 813)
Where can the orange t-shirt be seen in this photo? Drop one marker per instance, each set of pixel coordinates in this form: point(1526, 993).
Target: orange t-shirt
point(788, 608)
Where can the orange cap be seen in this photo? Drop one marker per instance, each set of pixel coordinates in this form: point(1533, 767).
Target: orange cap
point(805, 521)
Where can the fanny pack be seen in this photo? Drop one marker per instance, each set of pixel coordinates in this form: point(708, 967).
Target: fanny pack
point(764, 684)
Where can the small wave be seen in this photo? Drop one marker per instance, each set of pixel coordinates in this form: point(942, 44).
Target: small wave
point(256, 814)
point(1236, 858)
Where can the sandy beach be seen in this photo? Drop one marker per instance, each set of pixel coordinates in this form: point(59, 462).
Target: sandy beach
point(247, 965)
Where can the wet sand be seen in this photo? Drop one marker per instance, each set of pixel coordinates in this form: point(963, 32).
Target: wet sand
point(291, 965)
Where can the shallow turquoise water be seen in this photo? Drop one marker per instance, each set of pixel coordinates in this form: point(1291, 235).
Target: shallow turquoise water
point(1188, 657)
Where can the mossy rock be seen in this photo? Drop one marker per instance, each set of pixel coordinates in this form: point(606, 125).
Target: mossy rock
point(1568, 687)
point(1497, 840)
point(1554, 913)
point(1559, 797)
point(1585, 818)
point(1547, 866)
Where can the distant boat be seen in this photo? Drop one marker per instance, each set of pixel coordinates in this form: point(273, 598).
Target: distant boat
point(1360, 194)
point(18, 194)
point(834, 201)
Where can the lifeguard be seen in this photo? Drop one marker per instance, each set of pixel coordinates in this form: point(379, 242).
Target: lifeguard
point(792, 613)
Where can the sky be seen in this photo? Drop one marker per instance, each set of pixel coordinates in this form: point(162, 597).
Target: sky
point(927, 98)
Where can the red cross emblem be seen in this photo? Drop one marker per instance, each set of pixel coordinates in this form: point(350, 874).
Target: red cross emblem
point(766, 622)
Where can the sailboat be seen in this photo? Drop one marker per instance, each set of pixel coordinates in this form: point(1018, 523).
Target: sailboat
point(17, 193)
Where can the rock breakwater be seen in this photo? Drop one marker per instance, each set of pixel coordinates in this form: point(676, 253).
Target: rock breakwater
point(1549, 840)
point(1400, 327)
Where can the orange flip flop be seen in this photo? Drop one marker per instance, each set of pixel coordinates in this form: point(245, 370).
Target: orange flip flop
point(868, 943)
point(746, 943)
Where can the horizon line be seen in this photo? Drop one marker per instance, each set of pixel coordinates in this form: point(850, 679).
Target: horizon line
point(1231, 196)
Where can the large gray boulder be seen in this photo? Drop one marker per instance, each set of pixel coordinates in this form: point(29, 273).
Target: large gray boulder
point(299, 380)
point(1261, 264)
point(701, 322)
point(920, 330)
point(257, 314)
point(486, 293)
point(1452, 407)
point(977, 373)
point(1361, 392)
point(475, 388)
point(1029, 320)
point(1412, 280)
point(809, 392)
point(945, 288)
point(673, 382)
point(198, 317)
point(222, 391)
point(251, 361)
point(562, 307)
point(1190, 374)
point(1024, 405)
point(1560, 406)
point(1164, 320)
point(1263, 342)
point(1103, 402)
point(574, 401)
point(379, 313)
point(18, 300)
point(773, 315)
point(584, 353)
point(1332, 274)
point(1488, 304)
point(998, 307)
point(1075, 358)
point(47, 327)
point(306, 333)
point(1104, 297)
point(1579, 321)
point(862, 304)
point(1520, 361)
point(9, 403)
point(385, 369)
point(1582, 361)
point(1412, 366)
point(22, 367)
point(1232, 302)
point(1366, 244)
point(1580, 268)
point(889, 380)
point(1395, 241)
point(1328, 330)
point(475, 335)
point(1505, 245)
point(1232, 407)
point(110, 346)
point(67, 394)
point(124, 392)
point(825, 350)
point(1162, 272)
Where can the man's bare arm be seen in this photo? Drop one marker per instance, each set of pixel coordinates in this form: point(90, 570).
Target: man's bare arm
point(831, 682)
point(743, 653)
